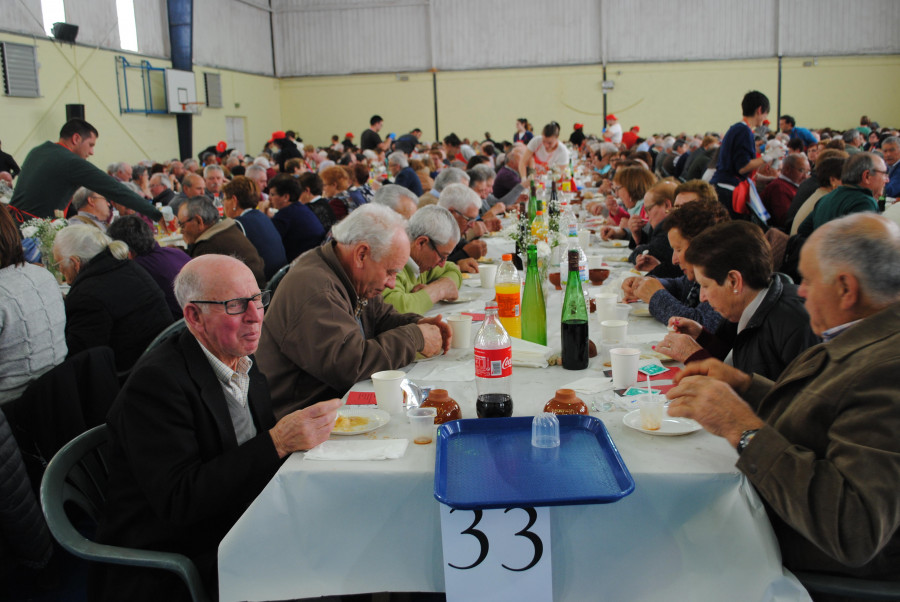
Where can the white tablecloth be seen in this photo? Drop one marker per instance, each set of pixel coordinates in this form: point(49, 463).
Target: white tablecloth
point(693, 529)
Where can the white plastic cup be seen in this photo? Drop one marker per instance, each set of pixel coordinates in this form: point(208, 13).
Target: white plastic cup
point(388, 394)
point(595, 262)
point(613, 331)
point(623, 310)
point(651, 407)
point(422, 422)
point(584, 238)
point(461, 328)
point(606, 306)
point(488, 273)
point(624, 362)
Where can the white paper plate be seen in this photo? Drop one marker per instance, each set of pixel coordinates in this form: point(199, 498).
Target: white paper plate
point(671, 426)
point(613, 244)
point(640, 310)
point(376, 419)
point(462, 299)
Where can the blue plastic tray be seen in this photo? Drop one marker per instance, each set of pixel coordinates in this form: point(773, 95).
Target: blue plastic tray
point(490, 463)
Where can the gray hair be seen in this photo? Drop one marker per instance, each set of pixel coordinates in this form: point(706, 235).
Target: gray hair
point(255, 169)
point(459, 197)
point(851, 135)
point(375, 225)
point(480, 173)
point(188, 286)
point(85, 243)
point(606, 148)
point(856, 166)
point(398, 158)
point(117, 167)
point(202, 206)
point(891, 141)
point(163, 179)
point(793, 160)
point(189, 163)
point(389, 195)
point(451, 175)
point(81, 198)
point(211, 168)
point(434, 222)
point(868, 246)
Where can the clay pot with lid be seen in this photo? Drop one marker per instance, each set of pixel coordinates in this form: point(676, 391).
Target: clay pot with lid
point(447, 408)
point(565, 402)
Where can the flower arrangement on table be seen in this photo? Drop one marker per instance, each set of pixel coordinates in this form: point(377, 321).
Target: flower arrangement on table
point(520, 233)
point(43, 233)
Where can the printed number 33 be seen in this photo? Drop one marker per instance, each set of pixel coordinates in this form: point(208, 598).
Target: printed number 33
point(485, 544)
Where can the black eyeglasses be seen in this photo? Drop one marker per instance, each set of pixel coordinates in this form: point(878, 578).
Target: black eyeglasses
point(443, 257)
point(234, 307)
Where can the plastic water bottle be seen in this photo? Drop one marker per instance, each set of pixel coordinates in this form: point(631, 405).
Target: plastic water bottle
point(493, 367)
point(508, 287)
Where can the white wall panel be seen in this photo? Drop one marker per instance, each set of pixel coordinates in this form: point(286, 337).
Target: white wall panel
point(97, 21)
point(22, 17)
point(152, 21)
point(838, 27)
point(650, 30)
point(325, 38)
point(478, 34)
point(233, 34)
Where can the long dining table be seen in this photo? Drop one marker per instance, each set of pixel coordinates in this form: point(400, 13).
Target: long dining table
point(693, 529)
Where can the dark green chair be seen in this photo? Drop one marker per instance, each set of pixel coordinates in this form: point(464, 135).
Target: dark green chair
point(171, 330)
point(852, 587)
point(78, 474)
point(276, 279)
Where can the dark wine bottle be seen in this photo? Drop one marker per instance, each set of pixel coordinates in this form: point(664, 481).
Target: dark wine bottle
point(574, 331)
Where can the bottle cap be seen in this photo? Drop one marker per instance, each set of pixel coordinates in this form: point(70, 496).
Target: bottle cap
point(507, 257)
point(540, 212)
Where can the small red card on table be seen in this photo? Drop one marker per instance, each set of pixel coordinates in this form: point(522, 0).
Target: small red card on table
point(360, 398)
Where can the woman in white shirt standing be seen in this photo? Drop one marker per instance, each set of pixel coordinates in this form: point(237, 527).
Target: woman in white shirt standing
point(544, 151)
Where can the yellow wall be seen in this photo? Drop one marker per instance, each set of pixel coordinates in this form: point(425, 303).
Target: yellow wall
point(678, 96)
point(684, 96)
point(81, 75)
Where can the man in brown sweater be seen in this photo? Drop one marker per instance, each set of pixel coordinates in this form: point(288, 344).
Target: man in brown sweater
point(328, 327)
point(205, 232)
point(820, 445)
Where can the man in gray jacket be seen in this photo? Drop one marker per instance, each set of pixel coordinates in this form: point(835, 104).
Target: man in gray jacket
point(820, 445)
point(328, 327)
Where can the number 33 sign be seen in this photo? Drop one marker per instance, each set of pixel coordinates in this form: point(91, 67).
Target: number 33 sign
point(497, 555)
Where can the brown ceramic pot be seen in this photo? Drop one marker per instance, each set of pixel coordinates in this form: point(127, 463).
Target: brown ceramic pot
point(597, 276)
point(554, 280)
point(447, 408)
point(565, 402)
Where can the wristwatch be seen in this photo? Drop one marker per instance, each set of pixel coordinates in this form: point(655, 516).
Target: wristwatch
point(746, 436)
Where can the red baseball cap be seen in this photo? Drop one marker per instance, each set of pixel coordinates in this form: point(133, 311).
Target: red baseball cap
point(277, 135)
point(611, 117)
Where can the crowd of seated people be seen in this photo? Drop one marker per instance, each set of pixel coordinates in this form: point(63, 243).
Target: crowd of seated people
point(730, 229)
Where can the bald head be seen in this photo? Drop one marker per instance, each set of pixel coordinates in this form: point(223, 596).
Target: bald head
point(203, 275)
point(193, 185)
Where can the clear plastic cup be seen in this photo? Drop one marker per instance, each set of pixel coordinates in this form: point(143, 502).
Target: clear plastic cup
point(545, 430)
point(422, 422)
point(651, 406)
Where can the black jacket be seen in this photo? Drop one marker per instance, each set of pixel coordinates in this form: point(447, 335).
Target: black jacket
point(115, 302)
point(178, 481)
point(777, 333)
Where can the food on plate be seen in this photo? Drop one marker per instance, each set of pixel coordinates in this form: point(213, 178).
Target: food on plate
point(346, 424)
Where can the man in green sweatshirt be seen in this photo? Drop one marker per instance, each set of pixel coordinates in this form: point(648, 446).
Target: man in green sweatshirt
point(428, 277)
point(53, 171)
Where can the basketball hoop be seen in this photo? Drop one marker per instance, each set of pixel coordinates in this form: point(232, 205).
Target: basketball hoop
point(191, 107)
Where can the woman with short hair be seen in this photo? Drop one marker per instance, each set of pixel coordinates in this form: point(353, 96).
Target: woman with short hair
point(112, 302)
point(766, 324)
point(240, 198)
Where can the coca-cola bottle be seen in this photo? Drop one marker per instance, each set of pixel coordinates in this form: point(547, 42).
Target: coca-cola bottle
point(493, 367)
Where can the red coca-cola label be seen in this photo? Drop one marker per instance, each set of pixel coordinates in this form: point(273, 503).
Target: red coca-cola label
point(493, 363)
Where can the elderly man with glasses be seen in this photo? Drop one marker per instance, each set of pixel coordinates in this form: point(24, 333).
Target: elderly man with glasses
point(427, 277)
point(93, 209)
point(192, 434)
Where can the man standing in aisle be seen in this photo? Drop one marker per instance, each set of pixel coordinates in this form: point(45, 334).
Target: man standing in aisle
point(370, 139)
point(52, 172)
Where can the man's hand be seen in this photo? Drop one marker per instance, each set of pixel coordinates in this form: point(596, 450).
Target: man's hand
point(594, 207)
point(492, 223)
point(647, 288)
point(475, 229)
point(498, 209)
point(442, 289)
point(306, 428)
point(437, 335)
point(685, 326)
point(678, 346)
point(475, 249)
point(468, 265)
point(645, 263)
point(713, 404)
point(612, 233)
point(737, 380)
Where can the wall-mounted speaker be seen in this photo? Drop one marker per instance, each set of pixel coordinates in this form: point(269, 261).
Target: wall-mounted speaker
point(65, 32)
point(74, 112)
